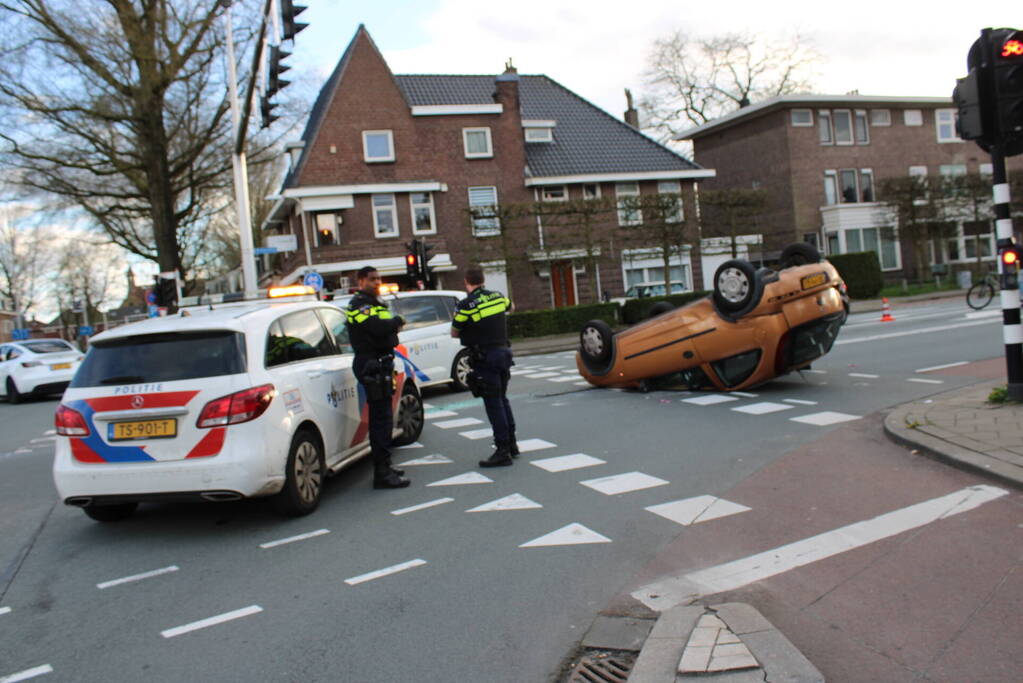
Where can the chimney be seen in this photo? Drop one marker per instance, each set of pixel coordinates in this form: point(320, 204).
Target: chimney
point(631, 116)
point(508, 87)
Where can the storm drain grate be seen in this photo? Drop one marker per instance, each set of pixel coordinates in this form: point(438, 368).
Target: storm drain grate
point(602, 667)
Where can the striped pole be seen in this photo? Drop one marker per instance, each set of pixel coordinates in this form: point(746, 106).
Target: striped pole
point(1012, 330)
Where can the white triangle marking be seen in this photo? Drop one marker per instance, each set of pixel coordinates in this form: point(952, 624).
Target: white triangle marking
point(461, 479)
point(515, 501)
point(435, 459)
point(573, 534)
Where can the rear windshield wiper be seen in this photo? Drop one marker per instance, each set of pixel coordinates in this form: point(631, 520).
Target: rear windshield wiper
point(123, 379)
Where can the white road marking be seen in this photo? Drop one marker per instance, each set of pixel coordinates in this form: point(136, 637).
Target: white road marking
point(563, 463)
point(534, 445)
point(565, 378)
point(571, 534)
point(22, 451)
point(292, 539)
point(27, 674)
point(551, 367)
point(538, 375)
point(942, 367)
point(137, 577)
point(822, 419)
point(997, 313)
point(522, 371)
point(43, 439)
point(212, 621)
point(5, 610)
point(814, 372)
point(864, 374)
point(923, 330)
point(461, 422)
point(698, 509)
point(463, 479)
point(799, 402)
point(387, 571)
point(414, 444)
point(421, 506)
point(434, 459)
point(762, 408)
point(709, 400)
point(921, 380)
point(582, 384)
point(623, 483)
point(744, 394)
point(515, 501)
point(430, 414)
point(666, 593)
point(477, 433)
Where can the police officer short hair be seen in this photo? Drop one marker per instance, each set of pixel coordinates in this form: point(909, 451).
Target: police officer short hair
point(365, 271)
point(474, 275)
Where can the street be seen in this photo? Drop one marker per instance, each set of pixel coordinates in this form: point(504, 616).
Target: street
point(493, 575)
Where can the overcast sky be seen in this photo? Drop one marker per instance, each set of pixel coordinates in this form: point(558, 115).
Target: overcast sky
point(598, 47)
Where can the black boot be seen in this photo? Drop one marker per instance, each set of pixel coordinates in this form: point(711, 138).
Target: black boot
point(513, 447)
point(385, 478)
point(394, 469)
point(501, 457)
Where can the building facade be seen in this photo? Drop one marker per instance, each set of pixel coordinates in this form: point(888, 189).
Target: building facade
point(516, 173)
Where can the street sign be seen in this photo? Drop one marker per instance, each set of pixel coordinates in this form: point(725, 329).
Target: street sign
point(151, 297)
point(20, 333)
point(282, 242)
point(77, 306)
point(86, 330)
point(264, 250)
point(314, 280)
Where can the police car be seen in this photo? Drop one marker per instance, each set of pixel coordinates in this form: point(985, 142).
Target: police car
point(436, 357)
point(219, 402)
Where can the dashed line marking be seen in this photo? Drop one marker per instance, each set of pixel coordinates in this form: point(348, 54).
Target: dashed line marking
point(27, 674)
point(5, 610)
point(762, 408)
point(461, 422)
point(864, 375)
point(212, 621)
point(921, 380)
point(137, 577)
point(421, 506)
point(942, 367)
point(292, 539)
point(387, 571)
point(800, 402)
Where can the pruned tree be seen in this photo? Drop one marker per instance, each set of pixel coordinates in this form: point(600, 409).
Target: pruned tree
point(85, 271)
point(573, 226)
point(916, 206)
point(693, 79)
point(660, 227)
point(731, 213)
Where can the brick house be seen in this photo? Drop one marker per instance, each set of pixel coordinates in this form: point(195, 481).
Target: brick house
point(821, 159)
point(385, 159)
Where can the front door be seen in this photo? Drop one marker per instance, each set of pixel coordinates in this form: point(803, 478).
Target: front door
point(563, 283)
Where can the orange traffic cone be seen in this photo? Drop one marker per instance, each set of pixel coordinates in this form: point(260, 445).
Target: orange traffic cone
point(886, 311)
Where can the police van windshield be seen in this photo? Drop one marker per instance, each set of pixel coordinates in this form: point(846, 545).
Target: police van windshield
point(162, 357)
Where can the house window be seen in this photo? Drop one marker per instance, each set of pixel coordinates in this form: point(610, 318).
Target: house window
point(423, 219)
point(830, 188)
point(824, 126)
point(477, 143)
point(860, 127)
point(377, 146)
point(879, 240)
point(913, 117)
point(945, 122)
point(847, 184)
point(866, 185)
point(880, 117)
point(919, 173)
point(591, 191)
point(672, 187)
point(978, 239)
point(985, 169)
point(643, 272)
point(802, 117)
point(553, 193)
point(539, 135)
point(385, 220)
point(952, 170)
point(843, 127)
point(327, 229)
point(483, 205)
point(629, 212)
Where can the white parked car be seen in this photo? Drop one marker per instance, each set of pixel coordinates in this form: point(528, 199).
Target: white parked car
point(36, 366)
point(426, 341)
point(218, 403)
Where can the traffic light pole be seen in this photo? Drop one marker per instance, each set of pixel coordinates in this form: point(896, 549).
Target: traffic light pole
point(1012, 330)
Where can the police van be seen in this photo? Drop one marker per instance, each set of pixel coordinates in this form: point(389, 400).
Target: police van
point(218, 402)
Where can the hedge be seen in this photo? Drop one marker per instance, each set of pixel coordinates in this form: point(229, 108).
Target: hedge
point(636, 310)
point(861, 272)
point(559, 320)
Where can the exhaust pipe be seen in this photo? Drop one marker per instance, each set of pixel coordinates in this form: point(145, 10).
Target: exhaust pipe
point(78, 501)
point(220, 496)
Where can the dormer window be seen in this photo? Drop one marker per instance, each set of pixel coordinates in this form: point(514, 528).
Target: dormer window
point(538, 131)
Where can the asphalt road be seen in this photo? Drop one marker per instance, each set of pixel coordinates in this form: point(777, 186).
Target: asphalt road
point(419, 584)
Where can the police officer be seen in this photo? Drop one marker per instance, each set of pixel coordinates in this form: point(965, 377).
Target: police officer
point(373, 333)
point(481, 324)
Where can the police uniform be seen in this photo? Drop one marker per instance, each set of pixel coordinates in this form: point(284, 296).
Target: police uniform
point(373, 333)
point(482, 323)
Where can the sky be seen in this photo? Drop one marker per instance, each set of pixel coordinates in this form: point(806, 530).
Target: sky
point(598, 48)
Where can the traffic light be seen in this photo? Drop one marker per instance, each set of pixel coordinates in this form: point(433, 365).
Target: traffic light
point(266, 111)
point(1010, 257)
point(290, 27)
point(1007, 62)
point(166, 292)
point(424, 261)
point(274, 82)
point(412, 260)
point(970, 120)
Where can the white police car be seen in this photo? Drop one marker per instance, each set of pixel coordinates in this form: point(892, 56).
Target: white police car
point(216, 403)
point(36, 366)
point(436, 356)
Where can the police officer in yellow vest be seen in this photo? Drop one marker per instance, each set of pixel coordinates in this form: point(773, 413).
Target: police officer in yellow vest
point(373, 333)
point(481, 324)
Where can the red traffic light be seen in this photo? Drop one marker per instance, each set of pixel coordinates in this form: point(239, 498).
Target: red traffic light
point(1010, 257)
point(1012, 48)
point(410, 259)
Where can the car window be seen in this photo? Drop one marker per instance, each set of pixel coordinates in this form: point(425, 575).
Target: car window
point(422, 310)
point(163, 357)
point(3, 353)
point(14, 353)
point(335, 322)
point(49, 346)
point(297, 336)
point(737, 369)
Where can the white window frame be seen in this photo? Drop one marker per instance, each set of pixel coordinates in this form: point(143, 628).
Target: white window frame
point(918, 172)
point(428, 205)
point(365, 146)
point(843, 113)
point(824, 124)
point(488, 153)
point(912, 117)
point(673, 187)
point(484, 226)
point(333, 220)
point(544, 134)
point(985, 169)
point(547, 192)
point(868, 173)
point(841, 237)
point(392, 207)
point(949, 125)
point(595, 186)
point(860, 116)
point(880, 117)
point(644, 260)
point(623, 191)
point(831, 182)
point(855, 187)
point(801, 124)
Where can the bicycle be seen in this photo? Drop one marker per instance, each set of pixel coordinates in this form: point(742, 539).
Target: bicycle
point(981, 293)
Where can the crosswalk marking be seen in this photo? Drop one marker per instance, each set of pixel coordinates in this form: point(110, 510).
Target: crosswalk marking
point(539, 375)
point(694, 510)
point(434, 459)
point(825, 418)
point(530, 445)
point(477, 433)
point(563, 463)
point(571, 534)
point(762, 408)
point(623, 483)
point(463, 479)
point(431, 414)
point(515, 501)
point(564, 378)
point(710, 400)
point(461, 422)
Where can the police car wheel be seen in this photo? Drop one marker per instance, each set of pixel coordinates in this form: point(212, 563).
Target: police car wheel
point(13, 395)
point(460, 371)
point(110, 513)
point(736, 287)
point(410, 417)
point(304, 475)
point(595, 341)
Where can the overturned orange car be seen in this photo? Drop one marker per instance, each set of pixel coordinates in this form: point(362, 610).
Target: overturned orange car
point(756, 325)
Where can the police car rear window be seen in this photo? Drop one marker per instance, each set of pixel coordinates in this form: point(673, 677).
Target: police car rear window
point(163, 357)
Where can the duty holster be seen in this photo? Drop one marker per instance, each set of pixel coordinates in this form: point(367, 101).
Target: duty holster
point(479, 385)
point(377, 377)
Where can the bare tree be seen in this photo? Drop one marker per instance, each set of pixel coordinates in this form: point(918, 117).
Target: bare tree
point(731, 212)
point(693, 79)
point(25, 257)
point(916, 205)
point(663, 229)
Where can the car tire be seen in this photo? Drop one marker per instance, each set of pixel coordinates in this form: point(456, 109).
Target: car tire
point(595, 343)
point(410, 417)
point(110, 513)
point(799, 254)
point(737, 289)
point(460, 371)
point(13, 395)
point(659, 308)
point(304, 475)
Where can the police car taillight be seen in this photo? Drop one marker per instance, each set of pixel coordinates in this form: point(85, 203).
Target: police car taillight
point(70, 422)
point(235, 408)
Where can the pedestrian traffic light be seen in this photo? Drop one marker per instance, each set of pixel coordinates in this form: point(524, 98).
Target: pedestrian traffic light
point(1011, 257)
point(290, 27)
point(424, 261)
point(1007, 61)
point(166, 292)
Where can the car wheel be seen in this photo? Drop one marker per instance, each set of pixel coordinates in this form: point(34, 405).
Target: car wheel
point(659, 308)
point(736, 287)
point(799, 254)
point(303, 477)
point(460, 371)
point(595, 342)
point(410, 417)
point(110, 513)
point(13, 395)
